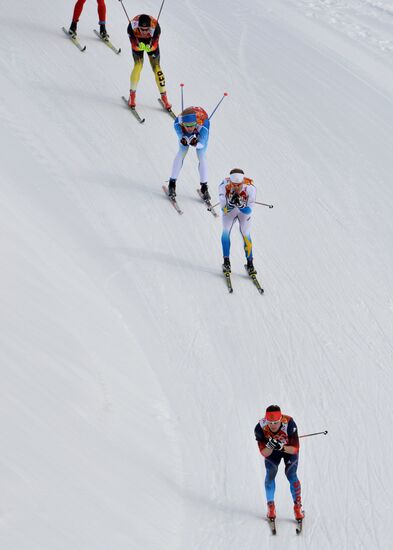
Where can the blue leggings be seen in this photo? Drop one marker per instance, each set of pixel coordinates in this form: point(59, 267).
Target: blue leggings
point(271, 464)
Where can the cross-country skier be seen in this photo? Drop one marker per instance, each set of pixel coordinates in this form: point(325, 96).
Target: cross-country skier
point(237, 196)
point(192, 129)
point(101, 15)
point(278, 439)
point(144, 33)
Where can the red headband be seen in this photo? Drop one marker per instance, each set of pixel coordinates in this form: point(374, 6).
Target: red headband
point(273, 416)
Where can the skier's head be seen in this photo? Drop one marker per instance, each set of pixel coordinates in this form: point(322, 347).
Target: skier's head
point(236, 176)
point(273, 415)
point(188, 119)
point(144, 20)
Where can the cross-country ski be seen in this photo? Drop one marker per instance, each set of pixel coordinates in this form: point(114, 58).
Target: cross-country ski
point(133, 111)
point(106, 40)
point(172, 200)
point(207, 202)
point(74, 40)
point(166, 109)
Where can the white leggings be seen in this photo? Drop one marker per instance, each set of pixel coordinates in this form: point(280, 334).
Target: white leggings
point(179, 158)
point(228, 221)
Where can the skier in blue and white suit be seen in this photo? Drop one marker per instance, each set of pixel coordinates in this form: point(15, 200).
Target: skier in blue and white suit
point(192, 129)
point(237, 195)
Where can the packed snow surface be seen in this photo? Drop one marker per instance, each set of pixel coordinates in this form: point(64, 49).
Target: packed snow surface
point(131, 381)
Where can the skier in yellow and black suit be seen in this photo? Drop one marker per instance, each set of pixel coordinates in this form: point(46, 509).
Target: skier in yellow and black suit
point(144, 33)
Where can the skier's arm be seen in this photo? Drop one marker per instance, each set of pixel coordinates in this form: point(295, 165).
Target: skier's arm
point(155, 38)
point(261, 439)
point(293, 439)
point(226, 206)
point(248, 206)
point(222, 194)
point(132, 37)
point(203, 135)
point(178, 128)
point(252, 195)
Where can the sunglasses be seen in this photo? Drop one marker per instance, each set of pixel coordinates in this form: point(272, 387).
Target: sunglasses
point(189, 124)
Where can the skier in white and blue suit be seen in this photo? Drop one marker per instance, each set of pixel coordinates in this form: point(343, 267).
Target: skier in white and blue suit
point(192, 129)
point(237, 195)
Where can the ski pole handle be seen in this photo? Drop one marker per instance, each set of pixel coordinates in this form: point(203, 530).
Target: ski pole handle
point(125, 11)
point(218, 104)
point(316, 433)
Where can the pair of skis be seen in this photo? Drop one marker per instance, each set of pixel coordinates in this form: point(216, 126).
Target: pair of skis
point(252, 276)
point(75, 40)
point(272, 525)
point(176, 205)
point(138, 116)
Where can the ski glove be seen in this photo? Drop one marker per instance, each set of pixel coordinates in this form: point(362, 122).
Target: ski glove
point(235, 200)
point(194, 141)
point(145, 47)
point(184, 141)
point(275, 444)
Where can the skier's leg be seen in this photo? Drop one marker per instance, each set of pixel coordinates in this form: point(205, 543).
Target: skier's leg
point(136, 71)
point(245, 226)
point(227, 223)
point(270, 481)
point(291, 463)
point(78, 10)
point(178, 161)
point(154, 58)
point(101, 11)
point(202, 165)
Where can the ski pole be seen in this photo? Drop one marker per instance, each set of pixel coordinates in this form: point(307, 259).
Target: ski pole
point(316, 433)
point(218, 104)
point(159, 13)
point(125, 11)
point(263, 204)
point(182, 100)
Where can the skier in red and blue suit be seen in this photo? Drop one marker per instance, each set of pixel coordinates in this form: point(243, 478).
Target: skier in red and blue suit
point(278, 439)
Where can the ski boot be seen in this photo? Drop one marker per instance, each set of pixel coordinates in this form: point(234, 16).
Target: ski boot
point(132, 100)
point(72, 29)
point(226, 266)
point(104, 35)
point(165, 101)
point(271, 510)
point(298, 511)
point(172, 189)
point(250, 267)
point(204, 192)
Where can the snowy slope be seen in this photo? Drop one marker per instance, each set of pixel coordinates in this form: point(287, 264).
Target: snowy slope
point(131, 380)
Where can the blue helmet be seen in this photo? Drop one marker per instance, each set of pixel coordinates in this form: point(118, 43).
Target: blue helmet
point(189, 119)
